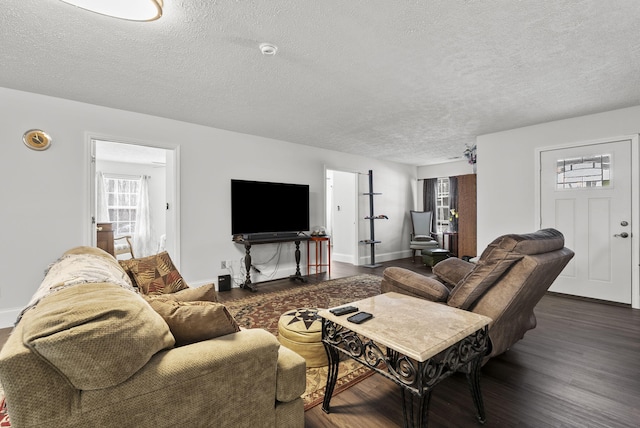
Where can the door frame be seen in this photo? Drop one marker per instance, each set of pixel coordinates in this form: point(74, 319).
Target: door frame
point(355, 247)
point(173, 188)
point(635, 200)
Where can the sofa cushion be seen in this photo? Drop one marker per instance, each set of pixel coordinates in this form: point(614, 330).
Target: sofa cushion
point(492, 265)
point(192, 322)
point(155, 274)
point(204, 293)
point(95, 335)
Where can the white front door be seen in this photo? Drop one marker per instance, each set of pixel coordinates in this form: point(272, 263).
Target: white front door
point(585, 193)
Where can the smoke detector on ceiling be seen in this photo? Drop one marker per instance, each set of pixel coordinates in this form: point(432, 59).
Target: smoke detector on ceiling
point(268, 49)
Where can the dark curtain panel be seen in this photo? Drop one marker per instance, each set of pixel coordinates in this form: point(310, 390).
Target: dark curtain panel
point(453, 193)
point(429, 192)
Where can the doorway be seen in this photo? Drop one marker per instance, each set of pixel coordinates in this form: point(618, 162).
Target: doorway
point(123, 162)
point(586, 192)
point(342, 214)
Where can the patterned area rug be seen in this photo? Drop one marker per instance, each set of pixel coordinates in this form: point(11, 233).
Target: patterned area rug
point(263, 310)
point(4, 416)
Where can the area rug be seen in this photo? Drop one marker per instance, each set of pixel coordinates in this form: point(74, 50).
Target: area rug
point(4, 416)
point(263, 310)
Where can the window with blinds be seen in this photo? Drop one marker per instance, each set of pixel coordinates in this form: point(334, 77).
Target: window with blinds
point(122, 200)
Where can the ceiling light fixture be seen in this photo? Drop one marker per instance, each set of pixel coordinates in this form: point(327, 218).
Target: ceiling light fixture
point(132, 10)
point(268, 49)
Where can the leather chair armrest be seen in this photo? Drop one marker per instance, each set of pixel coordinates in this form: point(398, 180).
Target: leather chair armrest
point(452, 270)
point(400, 280)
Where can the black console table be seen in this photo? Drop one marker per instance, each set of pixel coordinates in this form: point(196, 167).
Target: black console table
point(271, 240)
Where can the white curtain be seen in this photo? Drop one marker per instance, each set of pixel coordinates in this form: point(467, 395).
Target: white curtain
point(102, 211)
point(143, 244)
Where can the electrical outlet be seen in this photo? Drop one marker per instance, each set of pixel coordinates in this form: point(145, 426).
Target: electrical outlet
point(223, 264)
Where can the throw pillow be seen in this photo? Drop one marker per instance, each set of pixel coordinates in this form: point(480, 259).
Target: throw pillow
point(491, 266)
point(130, 266)
point(157, 275)
point(204, 293)
point(192, 322)
point(97, 335)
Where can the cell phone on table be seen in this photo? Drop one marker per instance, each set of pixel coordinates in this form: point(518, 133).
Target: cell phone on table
point(360, 317)
point(343, 310)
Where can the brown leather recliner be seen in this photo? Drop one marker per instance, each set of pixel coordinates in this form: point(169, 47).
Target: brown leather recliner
point(506, 283)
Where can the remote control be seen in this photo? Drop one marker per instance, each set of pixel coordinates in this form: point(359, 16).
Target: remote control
point(343, 310)
point(360, 317)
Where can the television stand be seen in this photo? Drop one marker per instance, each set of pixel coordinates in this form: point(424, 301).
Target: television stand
point(248, 242)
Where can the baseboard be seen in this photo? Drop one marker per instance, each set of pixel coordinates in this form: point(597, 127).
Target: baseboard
point(283, 272)
point(344, 258)
point(211, 281)
point(8, 317)
point(386, 257)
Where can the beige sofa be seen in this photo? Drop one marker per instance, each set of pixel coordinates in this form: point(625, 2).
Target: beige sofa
point(96, 354)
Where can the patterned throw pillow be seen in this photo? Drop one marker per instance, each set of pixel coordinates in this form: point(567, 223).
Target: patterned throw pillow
point(157, 275)
point(130, 266)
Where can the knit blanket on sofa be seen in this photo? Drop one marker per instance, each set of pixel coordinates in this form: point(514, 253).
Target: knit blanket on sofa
point(76, 269)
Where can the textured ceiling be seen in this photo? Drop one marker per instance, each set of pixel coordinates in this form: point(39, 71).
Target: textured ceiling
point(406, 81)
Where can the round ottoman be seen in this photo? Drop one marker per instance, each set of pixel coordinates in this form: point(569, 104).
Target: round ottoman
point(301, 331)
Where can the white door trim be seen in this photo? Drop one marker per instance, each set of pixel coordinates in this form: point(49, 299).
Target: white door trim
point(173, 221)
point(635, 201)
point(355, 249)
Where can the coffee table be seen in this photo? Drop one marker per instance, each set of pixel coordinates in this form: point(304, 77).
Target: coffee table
point(414, 342)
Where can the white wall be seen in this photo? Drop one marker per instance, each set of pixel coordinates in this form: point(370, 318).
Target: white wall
point(45, 194)
point(448, 169)
point(506, 168)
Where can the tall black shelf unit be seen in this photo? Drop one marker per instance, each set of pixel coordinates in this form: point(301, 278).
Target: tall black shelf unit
point(371, 242)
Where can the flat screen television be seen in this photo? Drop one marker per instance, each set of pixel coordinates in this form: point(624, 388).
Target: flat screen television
point(259, 207)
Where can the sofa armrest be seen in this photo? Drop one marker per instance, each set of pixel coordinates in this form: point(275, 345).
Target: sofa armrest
point(24, 376)
point(452, 270)
point(400, 280)
point(230, 380)
point(291, 378)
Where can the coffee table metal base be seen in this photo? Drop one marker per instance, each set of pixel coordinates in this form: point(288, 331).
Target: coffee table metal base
point(416, 378)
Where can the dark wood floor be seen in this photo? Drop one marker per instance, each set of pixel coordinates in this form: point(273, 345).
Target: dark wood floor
point(579, 368)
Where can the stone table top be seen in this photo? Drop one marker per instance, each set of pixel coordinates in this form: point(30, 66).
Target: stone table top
point(414, 327)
